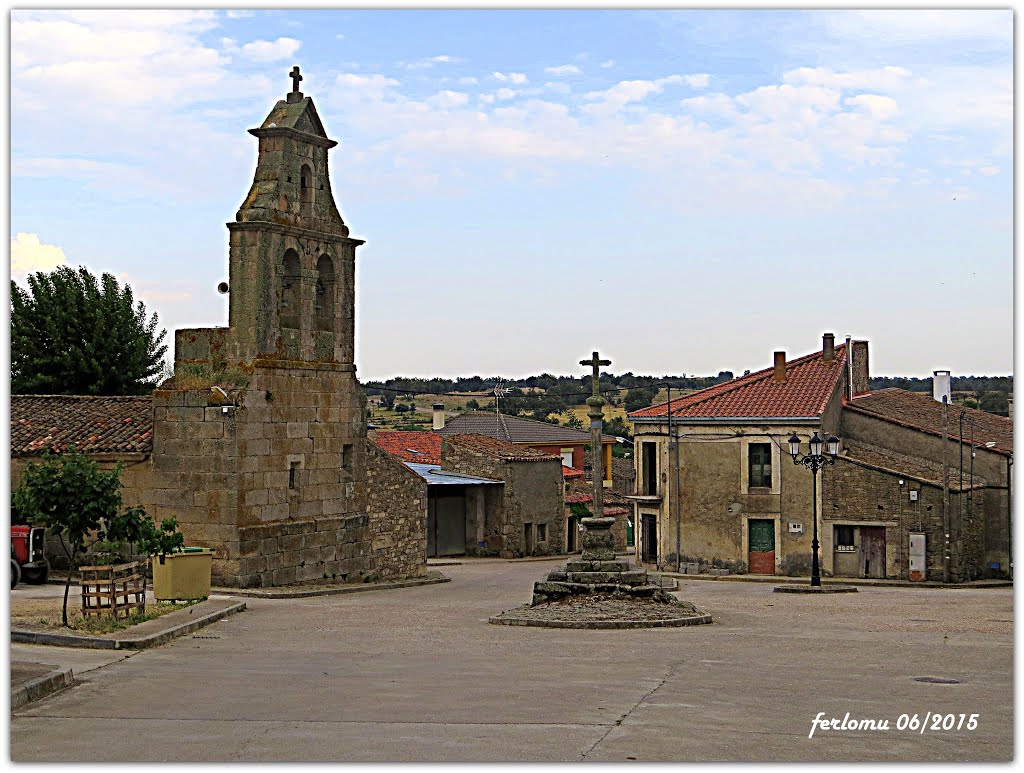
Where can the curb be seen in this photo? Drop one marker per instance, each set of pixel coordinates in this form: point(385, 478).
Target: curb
point(676, 622)
point(845, 581)
point(41, 687)
point(259, 593)
point(125, 643)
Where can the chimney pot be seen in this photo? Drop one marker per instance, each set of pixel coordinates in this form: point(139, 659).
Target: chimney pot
point(438, 416)
point(941, 386)
point(828, 347)
point(780, 368)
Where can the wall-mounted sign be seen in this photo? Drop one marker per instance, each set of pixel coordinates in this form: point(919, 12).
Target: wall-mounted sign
point(796, 528)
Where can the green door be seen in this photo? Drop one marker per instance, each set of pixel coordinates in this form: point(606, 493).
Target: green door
point(761, 559)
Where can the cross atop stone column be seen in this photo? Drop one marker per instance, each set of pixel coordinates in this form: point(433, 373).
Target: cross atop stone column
point(596, 362)
point(295, 94)
point(597, 539)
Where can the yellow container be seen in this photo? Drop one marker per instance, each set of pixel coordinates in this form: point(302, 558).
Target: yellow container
point(182, 576)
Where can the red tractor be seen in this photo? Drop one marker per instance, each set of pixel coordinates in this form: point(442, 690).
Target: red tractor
point(28, 555)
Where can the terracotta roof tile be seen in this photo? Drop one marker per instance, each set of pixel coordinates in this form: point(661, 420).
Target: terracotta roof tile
point(810, 383)
point(571, 472)
point(92, 424)
point(499, 449)
point(578, 499)
point(422, 447)
point(921, 411)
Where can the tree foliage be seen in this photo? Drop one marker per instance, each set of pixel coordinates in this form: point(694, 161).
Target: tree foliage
point(74, 334)
point(82, 505)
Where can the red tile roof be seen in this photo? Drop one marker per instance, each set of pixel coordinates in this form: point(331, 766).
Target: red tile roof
point(617, 511)
point(91, 424)
point(422, 447)
point(810, 383)
point(919, 410)
point(571, 472)
point(578, 499)
point(498, 449)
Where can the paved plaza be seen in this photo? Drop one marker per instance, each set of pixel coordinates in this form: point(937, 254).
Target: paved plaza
point(417, 674)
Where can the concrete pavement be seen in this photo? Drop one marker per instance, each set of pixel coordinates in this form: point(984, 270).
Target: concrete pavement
point(417, 674)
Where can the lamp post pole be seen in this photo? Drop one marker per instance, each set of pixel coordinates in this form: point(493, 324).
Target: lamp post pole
point(822, 453)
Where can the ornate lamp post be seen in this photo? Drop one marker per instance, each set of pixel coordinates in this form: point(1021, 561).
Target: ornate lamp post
point(815, 460)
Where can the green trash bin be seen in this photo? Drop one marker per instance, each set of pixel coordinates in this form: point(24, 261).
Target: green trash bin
point(183, 576)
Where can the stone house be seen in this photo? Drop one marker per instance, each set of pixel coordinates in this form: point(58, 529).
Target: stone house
point(572, 445)
point(716, 477)
point(479, 495)
point(257, 444)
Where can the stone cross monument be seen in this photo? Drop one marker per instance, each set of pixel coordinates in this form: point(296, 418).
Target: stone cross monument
point(598, 542)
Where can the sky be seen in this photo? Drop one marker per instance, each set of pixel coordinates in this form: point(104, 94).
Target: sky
point(685, 191)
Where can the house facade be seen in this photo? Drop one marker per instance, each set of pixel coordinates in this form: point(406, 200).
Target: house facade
point(479, 495)
point(715, 482)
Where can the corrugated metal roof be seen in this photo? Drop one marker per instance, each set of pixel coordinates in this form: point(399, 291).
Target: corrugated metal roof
point(435, 476)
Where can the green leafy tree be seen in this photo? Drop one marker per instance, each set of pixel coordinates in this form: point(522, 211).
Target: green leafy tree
point(640, 397)
point(574, 421)
point(994, 402)
point(82, 505)
point(472, 405)
point(74, 334)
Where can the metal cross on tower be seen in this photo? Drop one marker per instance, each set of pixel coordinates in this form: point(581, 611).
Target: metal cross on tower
point(595, 401)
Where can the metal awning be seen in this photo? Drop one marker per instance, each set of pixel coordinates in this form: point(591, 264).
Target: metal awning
point(435, 476)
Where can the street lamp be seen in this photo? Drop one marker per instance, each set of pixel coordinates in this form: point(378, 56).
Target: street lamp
point(814, 461)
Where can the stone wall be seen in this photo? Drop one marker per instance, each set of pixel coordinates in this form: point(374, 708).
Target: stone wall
point(397, 511)
point(854, 494)
point(532, 494)
point(334, 549)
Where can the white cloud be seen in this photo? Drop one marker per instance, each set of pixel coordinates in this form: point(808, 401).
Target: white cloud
point(608, 64)
point(988, 171)
point(878, 106)
point(448, 99)
point(468, 81)
point(271, 50)
point(898, 27)
point(612, 100)
point(426, 64)
point(558, 87)
point(505, 93)
point(29, 255)
point(881, 79)
point(515, 78)
point(563, 70)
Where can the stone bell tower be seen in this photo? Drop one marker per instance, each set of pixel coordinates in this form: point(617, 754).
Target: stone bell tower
point(260, 435)
point(292, 261)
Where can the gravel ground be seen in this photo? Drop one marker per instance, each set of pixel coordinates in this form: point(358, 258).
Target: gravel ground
point(600, 607)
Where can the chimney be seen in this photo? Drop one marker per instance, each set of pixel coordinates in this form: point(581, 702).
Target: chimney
point(860, 367)
point(780, 368)
point(941, 386)
point(438, 416)
point(828, 347)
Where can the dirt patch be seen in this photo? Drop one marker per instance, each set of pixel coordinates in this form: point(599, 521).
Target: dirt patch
point(43, 615)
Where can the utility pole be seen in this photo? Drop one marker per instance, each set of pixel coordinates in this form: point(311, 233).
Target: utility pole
point(946, 563)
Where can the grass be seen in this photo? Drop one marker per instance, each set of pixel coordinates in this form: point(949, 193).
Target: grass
point(97, 626)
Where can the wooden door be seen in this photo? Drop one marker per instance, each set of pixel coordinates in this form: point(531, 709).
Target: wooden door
point(872, 551)
point(571, 528)
point(761, 548)
point(649, 544)
point(449, 526)
point(528, 539)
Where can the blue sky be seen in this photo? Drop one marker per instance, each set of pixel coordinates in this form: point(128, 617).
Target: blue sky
point(686, 191)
